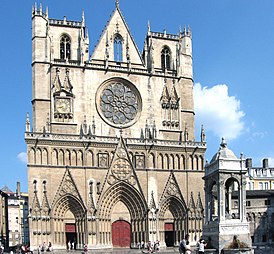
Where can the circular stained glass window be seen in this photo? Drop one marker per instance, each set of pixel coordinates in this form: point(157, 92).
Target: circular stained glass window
point(119, 103)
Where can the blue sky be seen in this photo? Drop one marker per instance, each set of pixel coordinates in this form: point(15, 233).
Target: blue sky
point(233, 54)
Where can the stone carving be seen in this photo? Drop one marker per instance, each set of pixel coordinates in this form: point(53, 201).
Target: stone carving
point(121, 169)
point(140, 163)
point(103, 160)
point(119, 103)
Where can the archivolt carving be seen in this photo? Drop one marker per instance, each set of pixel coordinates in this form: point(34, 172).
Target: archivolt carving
point(126, 193)
point(67, 187)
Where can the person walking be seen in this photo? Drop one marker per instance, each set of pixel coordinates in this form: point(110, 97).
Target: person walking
point(183, 243)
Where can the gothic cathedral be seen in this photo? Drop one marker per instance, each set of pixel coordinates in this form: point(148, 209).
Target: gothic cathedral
point(112, 157)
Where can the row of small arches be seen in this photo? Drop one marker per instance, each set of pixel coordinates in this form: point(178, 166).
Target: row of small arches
point(60, 157)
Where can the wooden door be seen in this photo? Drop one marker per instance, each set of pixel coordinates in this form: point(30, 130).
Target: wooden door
point(169, 234)
point(121, 233)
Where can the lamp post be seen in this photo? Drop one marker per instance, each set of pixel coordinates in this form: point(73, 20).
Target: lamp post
point(20, 232)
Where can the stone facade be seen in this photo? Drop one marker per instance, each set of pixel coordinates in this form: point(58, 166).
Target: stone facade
point(111, 149)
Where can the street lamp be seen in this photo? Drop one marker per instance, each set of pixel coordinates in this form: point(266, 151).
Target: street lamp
point(20, 231)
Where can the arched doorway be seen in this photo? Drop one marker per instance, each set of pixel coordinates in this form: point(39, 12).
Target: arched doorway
point(69, 222)
point(121, 234)
point(172, 219)
point(123, 203)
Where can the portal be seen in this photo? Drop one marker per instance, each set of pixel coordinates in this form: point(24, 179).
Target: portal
point(121, 234)
point(71, 236)
point(169, 234)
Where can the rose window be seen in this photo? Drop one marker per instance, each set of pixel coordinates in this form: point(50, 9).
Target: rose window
point(118, 104)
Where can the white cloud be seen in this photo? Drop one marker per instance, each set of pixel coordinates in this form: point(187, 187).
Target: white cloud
point(219, 112)
point(23, 157)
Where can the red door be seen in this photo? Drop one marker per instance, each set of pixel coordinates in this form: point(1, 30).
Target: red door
point(121, 234)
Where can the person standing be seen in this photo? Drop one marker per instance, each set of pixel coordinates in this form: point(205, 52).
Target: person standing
point(85, 249)
point(182, 248)
point(188, 249)
point(201, 246)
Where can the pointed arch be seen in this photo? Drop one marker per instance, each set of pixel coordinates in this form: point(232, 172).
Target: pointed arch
point(45, 156)
point(201, 162)
point(160, 161)
point(73, 158)
point(32, 156)
point(68, 202)
point(68, 158)
point(135, 203)
point(65, 47)
point(166, 162)
point(54, 157)
point(122, 191)
point(38, 156)
point(166, 58)
point(172, 162)
point(151, 160)
point(90, 158)
point(80, 158)
point(61, 157)
point(118, 48)
point(177, 162)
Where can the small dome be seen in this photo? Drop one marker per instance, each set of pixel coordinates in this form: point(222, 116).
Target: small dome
point(223, 153)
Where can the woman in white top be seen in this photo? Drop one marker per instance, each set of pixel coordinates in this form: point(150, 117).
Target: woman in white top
point(201, 246)
point(188, 249)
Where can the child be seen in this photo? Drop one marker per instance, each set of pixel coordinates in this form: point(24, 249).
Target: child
point(201, 246)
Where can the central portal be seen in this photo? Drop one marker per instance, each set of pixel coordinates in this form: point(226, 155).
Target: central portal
point(121, 234)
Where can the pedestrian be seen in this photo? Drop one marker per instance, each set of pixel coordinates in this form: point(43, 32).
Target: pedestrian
point(39, 249)
point(157, 246)
point(142, 244)
point(182, 247)
point(188, 248)
point(201, 246)
point(85, 248)
point(72, 245)
point(149, 247)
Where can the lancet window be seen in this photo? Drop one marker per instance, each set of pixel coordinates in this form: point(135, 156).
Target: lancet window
point(165, 58)
point(65, 47)
point(118, 48)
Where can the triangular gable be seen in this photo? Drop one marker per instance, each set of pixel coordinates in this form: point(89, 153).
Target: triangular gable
point(173, 95)
point(191, 204)
point(165, 95)
point(152, 204)
point(67, 186)
point(105, 46)
point(121, 169)
point(91, 205)
point(45, 208)
point(36, 208)
point(171, 190)
point(199, 205)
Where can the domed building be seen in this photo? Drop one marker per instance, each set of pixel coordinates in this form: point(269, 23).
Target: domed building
point(225, 184)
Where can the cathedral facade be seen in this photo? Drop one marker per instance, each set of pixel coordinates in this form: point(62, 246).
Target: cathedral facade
point(112, 157)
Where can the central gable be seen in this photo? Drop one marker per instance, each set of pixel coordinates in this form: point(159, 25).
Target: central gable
point(116, 43)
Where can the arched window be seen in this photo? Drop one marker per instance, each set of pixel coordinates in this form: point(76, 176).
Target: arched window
point(118, 50)
point(165, 58)
point(65, 47)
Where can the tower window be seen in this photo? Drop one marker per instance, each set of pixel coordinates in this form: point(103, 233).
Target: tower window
point(118, 50)
point(65, 51)
point(165, 58)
